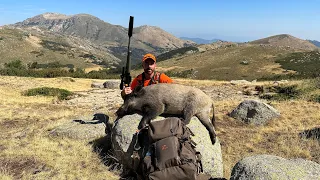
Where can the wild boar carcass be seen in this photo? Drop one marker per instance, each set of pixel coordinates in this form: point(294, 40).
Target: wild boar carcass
point(171, 99)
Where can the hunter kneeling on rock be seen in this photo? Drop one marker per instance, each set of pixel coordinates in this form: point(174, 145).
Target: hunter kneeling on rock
point(163, 149)
point(148, 77)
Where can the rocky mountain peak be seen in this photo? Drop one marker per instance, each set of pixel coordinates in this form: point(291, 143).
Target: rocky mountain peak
point(286, 40)
point(158, 37)
point(54, 16)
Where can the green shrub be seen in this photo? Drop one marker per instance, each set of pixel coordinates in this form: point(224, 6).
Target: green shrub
point(62, 94)
point(306, 64)
point(189, 73)
point(282, 92)
point(176, 52)
point(16, 68)
point(55, 46)
point(268, 96)
point(16, 64)
point(315, 98)
point(307, 90)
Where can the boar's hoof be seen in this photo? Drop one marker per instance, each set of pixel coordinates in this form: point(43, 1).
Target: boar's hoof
point(213, 139)
point(142, 125)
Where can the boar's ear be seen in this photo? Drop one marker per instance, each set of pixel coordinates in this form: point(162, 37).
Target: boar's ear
point(138, 91)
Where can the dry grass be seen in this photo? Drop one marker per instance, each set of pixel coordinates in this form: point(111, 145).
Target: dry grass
point(27, 152)
point(279, 137)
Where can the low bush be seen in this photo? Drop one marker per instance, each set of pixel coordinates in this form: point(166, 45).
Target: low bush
point(176, 52)
point(190, 73)
point(304, 63)
point(282, 92)
point(307, 90)
point(54, 69)
point(62, 94)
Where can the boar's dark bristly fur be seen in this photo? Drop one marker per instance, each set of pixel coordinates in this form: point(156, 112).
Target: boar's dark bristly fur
point(172, 99)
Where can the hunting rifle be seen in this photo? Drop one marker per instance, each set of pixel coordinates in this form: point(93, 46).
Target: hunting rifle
point(125, 76)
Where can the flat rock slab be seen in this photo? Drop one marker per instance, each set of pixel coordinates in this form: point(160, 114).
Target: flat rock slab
point(79, 129)
point(274, 167)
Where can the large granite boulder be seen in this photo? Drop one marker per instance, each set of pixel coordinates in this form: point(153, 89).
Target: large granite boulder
point(97, 85)
point(254, 112)
point(82, 129)
point(274, 167)
point(111, 84)
point(123, 140)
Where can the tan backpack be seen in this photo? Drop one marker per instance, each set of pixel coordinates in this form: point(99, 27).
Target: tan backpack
point(170, 152)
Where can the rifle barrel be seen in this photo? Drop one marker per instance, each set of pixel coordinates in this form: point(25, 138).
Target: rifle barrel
point(128, 65)
point(125, 76)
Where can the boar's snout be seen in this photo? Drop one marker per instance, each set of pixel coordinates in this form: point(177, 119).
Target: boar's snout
point(121, 112)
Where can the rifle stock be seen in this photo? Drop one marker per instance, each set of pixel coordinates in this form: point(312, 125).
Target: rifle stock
point(125, 76)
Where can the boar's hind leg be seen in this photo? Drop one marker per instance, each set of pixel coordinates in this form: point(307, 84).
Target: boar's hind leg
point(188, 112)
point(205, 120)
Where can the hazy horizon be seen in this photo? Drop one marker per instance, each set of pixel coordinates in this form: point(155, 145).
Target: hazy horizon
point(233, 20)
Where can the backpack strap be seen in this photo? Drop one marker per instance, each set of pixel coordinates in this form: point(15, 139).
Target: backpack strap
point(141, 79)
point(138, 149)
point(154, 80)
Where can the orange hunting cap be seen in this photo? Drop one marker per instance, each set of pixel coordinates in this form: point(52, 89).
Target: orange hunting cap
point(149, 56)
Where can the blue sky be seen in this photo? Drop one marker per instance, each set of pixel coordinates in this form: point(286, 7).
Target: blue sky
point(234, 20)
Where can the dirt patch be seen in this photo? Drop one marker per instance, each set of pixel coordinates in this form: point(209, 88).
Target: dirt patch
point(162, 69)
point(97, 99)
point(224, 92)
point(276, 69)
point(93, 68)
point(35, 41)
point(2, 147)
point(12, 124)
point(17, 167)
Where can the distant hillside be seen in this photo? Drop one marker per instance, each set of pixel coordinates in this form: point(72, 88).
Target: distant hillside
point(114, 37)
point(200, 40)
point(316, 43)
point(194, 49)
point(277, 57)
point(226, 62)
point(285, 40)
point(18, 44)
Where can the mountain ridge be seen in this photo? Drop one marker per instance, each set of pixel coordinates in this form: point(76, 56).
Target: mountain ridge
point(315, 42)
point(286, 40)
point(145, 39)
point(200, 40)
point(95, 29)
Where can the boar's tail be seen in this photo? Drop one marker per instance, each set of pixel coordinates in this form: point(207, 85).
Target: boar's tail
point(213, 121)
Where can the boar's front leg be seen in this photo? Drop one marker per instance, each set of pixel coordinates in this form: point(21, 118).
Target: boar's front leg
point(149, 112)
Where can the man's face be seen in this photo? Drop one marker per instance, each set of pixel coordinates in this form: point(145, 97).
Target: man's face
point(149, 66)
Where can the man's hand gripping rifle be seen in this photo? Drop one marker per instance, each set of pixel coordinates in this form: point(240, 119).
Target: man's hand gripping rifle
point(125, 76)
